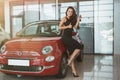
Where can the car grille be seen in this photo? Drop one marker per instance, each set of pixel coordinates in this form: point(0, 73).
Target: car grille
point(22, 68)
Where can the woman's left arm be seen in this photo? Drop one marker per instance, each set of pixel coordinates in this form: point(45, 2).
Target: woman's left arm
point(77, 23)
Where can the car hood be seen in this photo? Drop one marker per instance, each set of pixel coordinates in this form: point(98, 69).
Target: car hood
point(29, 47)
point(28, 44)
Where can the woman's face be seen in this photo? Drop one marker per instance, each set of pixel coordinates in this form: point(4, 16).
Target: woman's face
point(69, 12)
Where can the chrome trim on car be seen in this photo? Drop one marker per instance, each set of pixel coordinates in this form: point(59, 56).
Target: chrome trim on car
point(24, 68)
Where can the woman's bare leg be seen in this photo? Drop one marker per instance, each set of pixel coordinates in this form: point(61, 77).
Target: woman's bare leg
point(71, 61)
point(73, 68)
point(74, 54)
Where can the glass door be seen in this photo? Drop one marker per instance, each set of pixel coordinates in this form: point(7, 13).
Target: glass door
point(86, 30)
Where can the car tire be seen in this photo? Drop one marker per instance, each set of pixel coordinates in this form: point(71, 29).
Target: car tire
point(63, 67)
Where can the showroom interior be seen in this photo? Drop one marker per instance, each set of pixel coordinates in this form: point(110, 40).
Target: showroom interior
point(99, 31)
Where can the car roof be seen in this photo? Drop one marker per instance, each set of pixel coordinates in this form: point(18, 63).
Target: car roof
point(43, 21)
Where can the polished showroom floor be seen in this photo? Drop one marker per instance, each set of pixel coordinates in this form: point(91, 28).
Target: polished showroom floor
point(98, 67)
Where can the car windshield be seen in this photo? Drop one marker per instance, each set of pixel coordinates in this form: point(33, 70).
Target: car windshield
point(48, 29)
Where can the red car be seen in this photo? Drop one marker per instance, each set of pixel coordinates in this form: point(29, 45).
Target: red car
point(36, 50)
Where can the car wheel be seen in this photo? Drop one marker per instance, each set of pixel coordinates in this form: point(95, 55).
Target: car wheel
point(63, 67)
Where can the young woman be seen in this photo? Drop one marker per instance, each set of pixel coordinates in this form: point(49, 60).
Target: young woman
point(66, 25)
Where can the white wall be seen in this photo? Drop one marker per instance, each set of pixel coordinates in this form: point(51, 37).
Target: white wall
point(7, 16)
point(116, 26)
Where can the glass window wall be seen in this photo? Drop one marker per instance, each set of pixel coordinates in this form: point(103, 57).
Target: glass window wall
point(86, 10)
point(31, 8)
point(63, 7)
point(47, 11)
point(16, 25)
point(17, 10)
point(16, 15)
point(103, 26)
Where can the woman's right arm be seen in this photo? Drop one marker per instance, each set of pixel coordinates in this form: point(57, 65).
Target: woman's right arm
point(62, 26)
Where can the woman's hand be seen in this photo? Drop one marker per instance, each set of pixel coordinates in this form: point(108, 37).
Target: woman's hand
point(70, 26)
point(77, 23)
point(79, 18)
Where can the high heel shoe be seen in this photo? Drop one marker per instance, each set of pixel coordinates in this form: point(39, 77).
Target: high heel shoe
point(75, 75)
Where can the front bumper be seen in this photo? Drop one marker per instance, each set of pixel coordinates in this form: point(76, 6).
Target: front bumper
point(31, 70)
point(37, 67)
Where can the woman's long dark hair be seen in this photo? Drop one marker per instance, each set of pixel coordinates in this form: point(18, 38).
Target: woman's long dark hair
point(73, 18)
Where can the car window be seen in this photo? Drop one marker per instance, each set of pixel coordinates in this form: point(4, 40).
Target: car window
point(49, 30)
point(31, 30)
point(46, 29)
point(54, 28)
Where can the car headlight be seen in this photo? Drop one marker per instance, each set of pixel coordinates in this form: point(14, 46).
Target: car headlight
point(3, 48)
point(49, 58)
point(47, 49)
